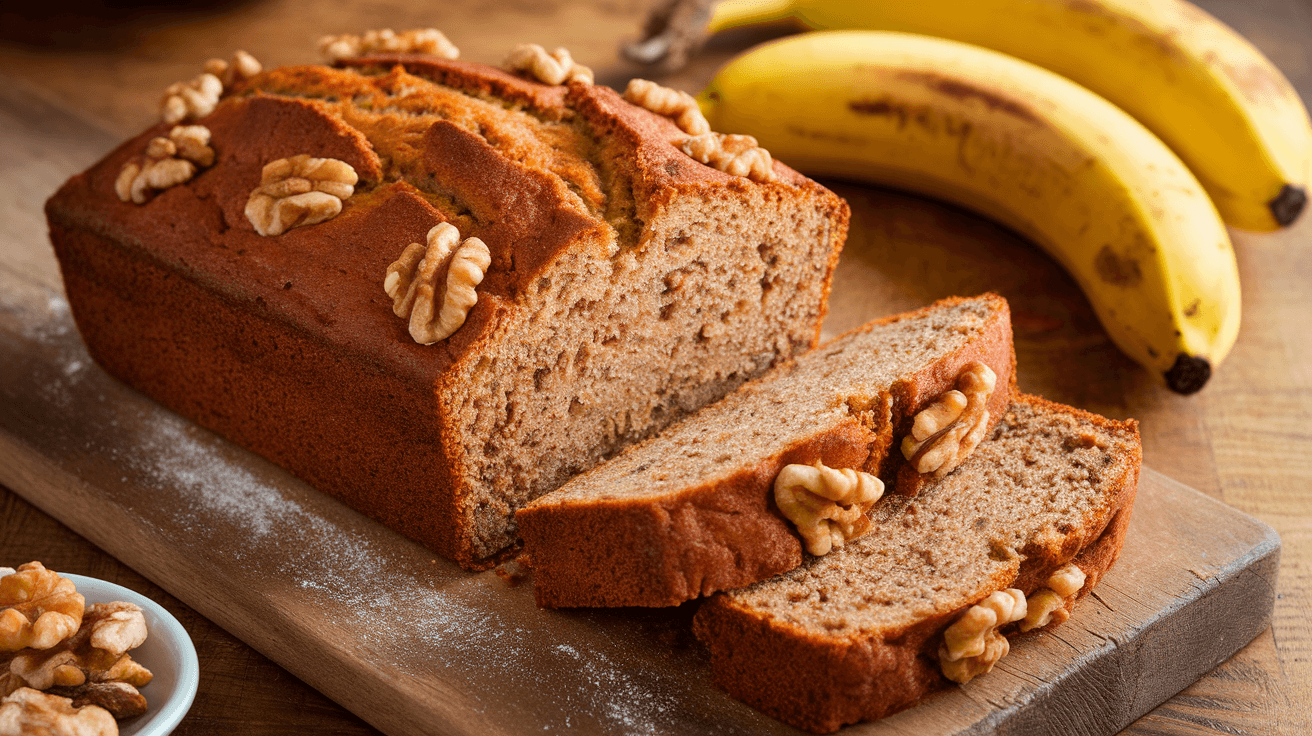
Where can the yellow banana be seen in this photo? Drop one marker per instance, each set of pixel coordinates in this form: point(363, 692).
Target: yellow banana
point(1022, 145)
point(1204, 90)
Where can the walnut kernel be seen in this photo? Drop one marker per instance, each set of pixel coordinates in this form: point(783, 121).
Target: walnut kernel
point(242, 67)
point(412, 282)
point(1050, 604)
point(973, 644)
point(96, 653)
point(669, 102)
point(738, 155)
point(946, 432)
point(558, 67)
point(415, 41)
point(38, 608)
point(827, 505)
point(27, 712)
point(168, 161)
point(191, 100)
point(299, 190)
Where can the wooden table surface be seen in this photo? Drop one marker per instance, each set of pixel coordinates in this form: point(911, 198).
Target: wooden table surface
point(1246, 439)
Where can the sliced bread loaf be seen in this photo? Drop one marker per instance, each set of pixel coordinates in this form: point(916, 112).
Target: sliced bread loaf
point(857, 634)
point(691, 511)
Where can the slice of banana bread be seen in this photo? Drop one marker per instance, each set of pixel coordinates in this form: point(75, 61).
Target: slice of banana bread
point(856, 634)
point(628, 284)
point(690, 511)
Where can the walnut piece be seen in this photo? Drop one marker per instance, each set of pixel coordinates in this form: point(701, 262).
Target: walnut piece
point(669, 102)
point(947, 431)
point(738, 155)
point(299, 191)
point(412, 281)
point(827, 505)
point(1049, 604)
point(558, 67)
point(242, 67)
point(973, 644)
point(415, 41)
point(119, 698)
point(96, 653)
point(168, 162)
point(191, 100)
point(38, 608)
point(26, 712)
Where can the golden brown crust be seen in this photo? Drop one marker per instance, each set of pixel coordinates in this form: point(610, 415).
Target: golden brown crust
point(288, 345)
point(727, 533)
point(822, 683)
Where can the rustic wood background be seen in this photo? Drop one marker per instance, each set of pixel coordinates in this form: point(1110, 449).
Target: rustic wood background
point(1246, 439)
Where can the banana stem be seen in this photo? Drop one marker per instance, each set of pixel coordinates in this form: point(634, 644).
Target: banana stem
point(735, 13)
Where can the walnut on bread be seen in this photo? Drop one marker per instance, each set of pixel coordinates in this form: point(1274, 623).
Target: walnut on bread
point(557, 67)
point(973, 644)
point(168, 161)
point(738, 155)
point(414, 41)
point(947, 431)
point(299, 190)
point(1051, 603)
point(827, 505)
point(412, 282)
point(671, 103)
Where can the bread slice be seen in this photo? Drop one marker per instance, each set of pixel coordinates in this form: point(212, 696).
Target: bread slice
point(853, 635)
point(691, 511)
point(629, 285)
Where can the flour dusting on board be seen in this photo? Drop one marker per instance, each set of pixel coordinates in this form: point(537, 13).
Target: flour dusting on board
point(385, 601)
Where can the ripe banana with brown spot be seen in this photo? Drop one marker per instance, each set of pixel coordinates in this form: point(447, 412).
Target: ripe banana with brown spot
point(1202, 88)
point(1022, 145)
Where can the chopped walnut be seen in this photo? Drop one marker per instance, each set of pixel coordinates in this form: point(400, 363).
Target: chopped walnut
point(739, 155)
point(27, 712)
point(38, 608)
point(558, 67)
point(973, 644)
point(946, 432)
point(669, 102)
point(191, 100)
point(168, 162)
point(299, 191)
point(412, 282)
point(242, 67)
point(827, 505)
point(96, 653)
point(416, 41)
point(1050, 604)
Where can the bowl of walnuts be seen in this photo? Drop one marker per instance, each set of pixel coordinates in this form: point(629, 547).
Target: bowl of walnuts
point(82, 655)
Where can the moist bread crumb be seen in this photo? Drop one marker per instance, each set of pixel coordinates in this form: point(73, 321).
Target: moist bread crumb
point(628, 286)
point(857, 630)
point(691, 511)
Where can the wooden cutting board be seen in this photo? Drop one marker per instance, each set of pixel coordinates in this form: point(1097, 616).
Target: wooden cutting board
point(414, 645)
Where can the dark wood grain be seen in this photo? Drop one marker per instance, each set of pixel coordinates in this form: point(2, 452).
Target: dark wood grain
point(1244, 439)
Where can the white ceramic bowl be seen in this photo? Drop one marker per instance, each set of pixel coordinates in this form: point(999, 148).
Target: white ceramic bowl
point(167, 653)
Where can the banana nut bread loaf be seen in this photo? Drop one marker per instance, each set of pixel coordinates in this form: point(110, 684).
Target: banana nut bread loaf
point(626, 284)
point(690, 512)
point(1040, 509)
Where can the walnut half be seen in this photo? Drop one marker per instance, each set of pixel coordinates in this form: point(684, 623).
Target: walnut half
point(827, 505)
point(669, 102)
point(557, 67)
point(38, 608)
point(738, 155)
point(168, 162)
point(947, 431)
point(27, 712)
point(1050, 604)
point(412, 282)
point(973, 644)
point(299, 190)
point(415, 41)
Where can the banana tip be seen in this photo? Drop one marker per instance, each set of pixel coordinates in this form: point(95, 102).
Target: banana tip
point(1288, 204)
point(1189, 374)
